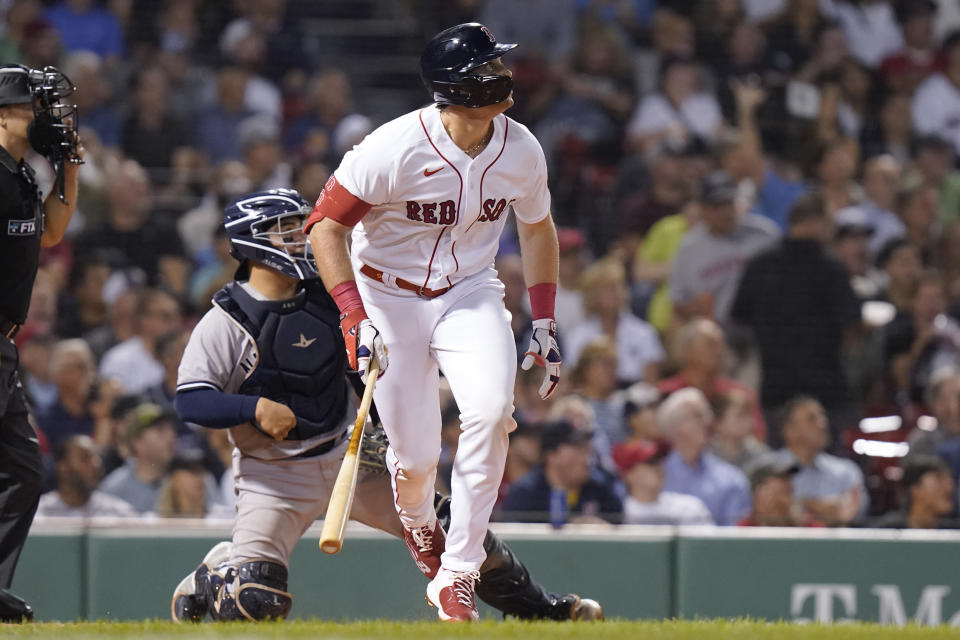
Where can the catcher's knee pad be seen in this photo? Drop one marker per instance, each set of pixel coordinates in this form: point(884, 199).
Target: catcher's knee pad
point(253, 591)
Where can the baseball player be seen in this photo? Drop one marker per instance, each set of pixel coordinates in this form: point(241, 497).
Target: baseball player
point(267, 362)
point(425, 199)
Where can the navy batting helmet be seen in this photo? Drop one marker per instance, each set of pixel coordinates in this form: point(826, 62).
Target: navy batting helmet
point(451, 57)
point(267, 227)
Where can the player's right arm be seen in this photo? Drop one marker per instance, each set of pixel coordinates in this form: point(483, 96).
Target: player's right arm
point(335, 214)
point(208, 378)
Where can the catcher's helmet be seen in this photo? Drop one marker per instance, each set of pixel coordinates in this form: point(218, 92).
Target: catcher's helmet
point(449, 58)
point(266, 226)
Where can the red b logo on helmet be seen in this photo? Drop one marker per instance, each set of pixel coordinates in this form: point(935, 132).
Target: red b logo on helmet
point(489, 35)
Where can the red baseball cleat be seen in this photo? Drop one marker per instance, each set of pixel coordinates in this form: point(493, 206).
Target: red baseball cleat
point(451, 592)
point(426, 545)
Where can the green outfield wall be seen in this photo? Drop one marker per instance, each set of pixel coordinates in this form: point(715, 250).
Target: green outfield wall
point(105, 570)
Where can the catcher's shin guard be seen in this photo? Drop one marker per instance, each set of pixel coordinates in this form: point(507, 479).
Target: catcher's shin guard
point(505, 583)
point(253, 591)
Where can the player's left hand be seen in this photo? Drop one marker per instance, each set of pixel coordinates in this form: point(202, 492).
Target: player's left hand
point(544, 351)
point(363, 341)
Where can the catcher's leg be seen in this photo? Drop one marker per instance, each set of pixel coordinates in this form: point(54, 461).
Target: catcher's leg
point(506, 584)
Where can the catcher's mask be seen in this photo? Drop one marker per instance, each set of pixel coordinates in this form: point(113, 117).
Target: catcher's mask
point(267, 227)
point(52, 133)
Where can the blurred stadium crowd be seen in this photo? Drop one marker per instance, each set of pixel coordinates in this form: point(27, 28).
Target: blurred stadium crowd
point(759, 211)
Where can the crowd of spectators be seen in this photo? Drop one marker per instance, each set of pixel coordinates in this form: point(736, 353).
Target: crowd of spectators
point(759, 221)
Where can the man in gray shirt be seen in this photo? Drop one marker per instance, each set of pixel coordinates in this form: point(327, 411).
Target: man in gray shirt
point(712, 256)
point(153, 441)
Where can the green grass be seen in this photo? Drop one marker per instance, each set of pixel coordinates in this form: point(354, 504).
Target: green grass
point(385, 630)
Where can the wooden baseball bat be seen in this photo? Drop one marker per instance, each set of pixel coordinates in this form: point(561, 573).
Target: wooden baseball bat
point(341, 498)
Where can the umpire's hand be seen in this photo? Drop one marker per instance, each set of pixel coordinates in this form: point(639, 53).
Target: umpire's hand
point(274, 419)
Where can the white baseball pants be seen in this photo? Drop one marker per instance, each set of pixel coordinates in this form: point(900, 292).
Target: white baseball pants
point(465, 333)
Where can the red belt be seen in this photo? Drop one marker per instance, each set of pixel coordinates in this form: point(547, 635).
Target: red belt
point(424, 292)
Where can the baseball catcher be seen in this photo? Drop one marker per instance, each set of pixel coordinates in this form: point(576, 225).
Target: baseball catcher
point(268, 363)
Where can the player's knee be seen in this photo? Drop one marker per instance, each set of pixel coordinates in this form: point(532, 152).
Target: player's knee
point(494, 415)
point(262, 592)
point(420, 468)
point(417, 463)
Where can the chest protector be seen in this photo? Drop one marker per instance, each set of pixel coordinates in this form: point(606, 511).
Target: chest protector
point(301, 361)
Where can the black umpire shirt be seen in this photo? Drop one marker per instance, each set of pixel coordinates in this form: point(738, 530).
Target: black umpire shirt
point(21, 217)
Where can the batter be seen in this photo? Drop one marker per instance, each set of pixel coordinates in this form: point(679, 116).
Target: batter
point(268, 363)
point(424, 199)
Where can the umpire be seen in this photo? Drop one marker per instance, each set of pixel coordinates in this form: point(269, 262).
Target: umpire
point(31, 115)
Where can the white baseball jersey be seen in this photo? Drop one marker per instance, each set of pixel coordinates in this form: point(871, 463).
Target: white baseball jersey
point(221, 355)
point(437, 213)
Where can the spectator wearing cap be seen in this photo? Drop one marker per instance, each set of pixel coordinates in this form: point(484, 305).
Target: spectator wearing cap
point(904, 70)
point(685, 418)
point(679, 111)
point(640, 403)
point(937, 99)
point(734, 439)
point(580, 492)
point(606, 299)
point(928, 483)
point(569, 305)
point(79, 470)
point(881, 184)
point(152, 439)
point(851, 245)
point(711, 257)
point(641, 469)
point(772, 490)
point(830, 488)
point(796, 299)
point(942, 399)
point(934, 164)
point(184, 492)
point(701, 350)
